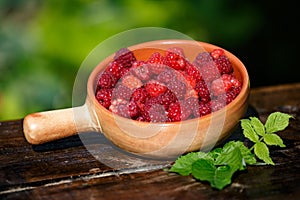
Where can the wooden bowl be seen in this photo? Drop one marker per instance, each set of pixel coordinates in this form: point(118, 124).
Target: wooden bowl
point(162, 140)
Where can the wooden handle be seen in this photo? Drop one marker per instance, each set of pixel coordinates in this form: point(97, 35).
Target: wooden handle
point(48, 126)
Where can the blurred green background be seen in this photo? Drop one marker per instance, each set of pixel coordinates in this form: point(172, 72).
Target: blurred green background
point(43, 43)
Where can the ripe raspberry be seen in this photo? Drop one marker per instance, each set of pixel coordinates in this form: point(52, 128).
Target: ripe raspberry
point(167, 98)
point(188, 107)
point(216, 53)
point(178, 88)
point(104, 97)
point(166, 76)
point(175, 59)
point(155, 88)
point(106, 80)
point(174, 112)
point(125, 57)
point(139, 96)
point(115, 69)
point(131, 82)
point(193, 72)
point(218, 103)
point(224, 65)
point(121, 92)
point(141, 70)
point(209, 72)
point(204, 109)
point(156, 63)
point(124, 108)
point(202, 58)
point(224, 84)
point(203, 91)
point(154, 112)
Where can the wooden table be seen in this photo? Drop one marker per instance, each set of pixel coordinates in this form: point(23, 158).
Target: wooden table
point(67, 169)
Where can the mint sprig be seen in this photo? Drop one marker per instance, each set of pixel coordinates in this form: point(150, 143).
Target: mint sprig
point(218, 166)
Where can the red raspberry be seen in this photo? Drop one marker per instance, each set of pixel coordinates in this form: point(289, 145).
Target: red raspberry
point(188, 106)
point(139, 96)
point(141, 70)
point(203, 109)
point(203, 91)
point(178, 88)
point(116, 69)
point(125, 57)
point(167, 98)
point(154, 112)
point(193, 72)
point(156, 63)
point(104, 97)
point(121, 92)
point(106, 80)
point(166, 76)
point(131, 82)
point(224, 84)
point(124, 108)
point(209, 72)
point(175, 59)
point(218, 103)
point(216, 53)
point(155, 88)
point(202, 58)
point(174, 112)
point(224, 65)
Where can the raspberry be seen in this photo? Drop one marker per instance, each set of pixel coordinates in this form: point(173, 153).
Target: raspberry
point(174, 58)
point(193, 72)
point(202, 58)
point(155, 88)
point(104, 97)
point(125, 57)
point(166, 76)
point(154, 112)
point(203, 109)
point(218, 103)
point(141, 70)
point(139, 96)
point(131, 82)
point(224, 65)
point(116, 69)
point(188, 107)
point(178, 88)
point(167, 98)
point(216, 53)
point(224, 84)
point(209, 72)
point(174, 112)
point(156, 63)
point(106, 80)
point(121, 92)
point(203, 91)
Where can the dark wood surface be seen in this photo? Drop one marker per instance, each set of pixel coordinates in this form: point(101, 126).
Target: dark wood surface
point(71, 169)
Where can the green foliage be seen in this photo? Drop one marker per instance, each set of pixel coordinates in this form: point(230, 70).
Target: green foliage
point(43, 43)
point(218, 166)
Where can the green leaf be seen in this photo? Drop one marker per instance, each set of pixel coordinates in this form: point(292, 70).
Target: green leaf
point(258, 126)
point(248, 130)
point(231, 155)
point(262, 152)
point(218, 177)
point(248, 157)
point(183, 164)
point(277, 121)
point(273, 139)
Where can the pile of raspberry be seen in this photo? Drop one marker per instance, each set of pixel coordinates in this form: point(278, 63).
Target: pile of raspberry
point(167, 87)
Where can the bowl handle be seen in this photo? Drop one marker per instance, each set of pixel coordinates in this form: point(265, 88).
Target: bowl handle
point(42, 127)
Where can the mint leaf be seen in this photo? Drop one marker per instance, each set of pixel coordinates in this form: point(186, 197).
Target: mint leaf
point(259, 128)
point(273, 139)
point(183, 164)
point(277, 121)
point(262, 152)
point(249, 131)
